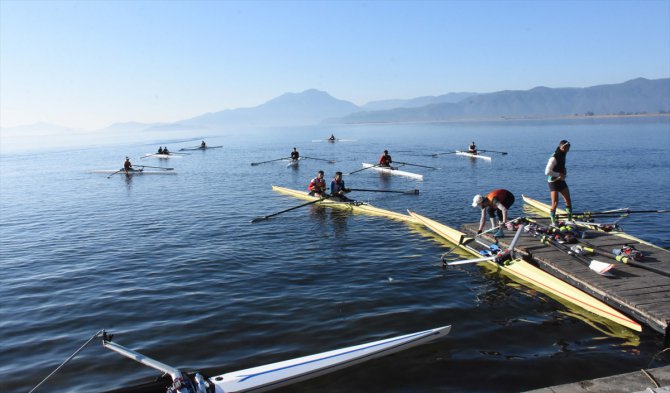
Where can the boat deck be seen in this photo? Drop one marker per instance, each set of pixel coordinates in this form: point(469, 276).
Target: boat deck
point(639, 293)
point(638, 381)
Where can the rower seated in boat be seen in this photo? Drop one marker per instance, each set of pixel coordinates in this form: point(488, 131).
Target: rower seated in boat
point(497, 202)
point(166, 151)
point(472, 149)
point(127, 165)
point(385, 160)
point(317, 187)
point(337, 188)
point(203, 145)
point(160, 149)
point(332, 138)
point(295, 156)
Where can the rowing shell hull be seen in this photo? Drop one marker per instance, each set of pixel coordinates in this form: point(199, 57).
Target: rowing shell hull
point(273, 376)
point(110, 171)
point(393, 171)
point(357, 207)
point(537, 278)
point(156, 155)
point(465, 153)
point(544, 208)
point(199, 148)
point(294, 163)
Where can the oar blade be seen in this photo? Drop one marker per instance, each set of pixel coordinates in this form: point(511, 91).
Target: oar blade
point(258, 219)
point(601, 268)
point(412, 192)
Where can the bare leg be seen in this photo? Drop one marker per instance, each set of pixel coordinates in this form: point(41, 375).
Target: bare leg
point(565, 193)
point(554, 206)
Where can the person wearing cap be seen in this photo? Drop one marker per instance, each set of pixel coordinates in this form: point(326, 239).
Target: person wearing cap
point(556, 173)
point(127, 166)
point(497, 203)
point(317, 187)
point(337, 188)
point(472, 149)
point(385, 159)
point(295, 156)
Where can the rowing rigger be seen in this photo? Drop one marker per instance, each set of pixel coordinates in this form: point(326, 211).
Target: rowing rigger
point(268, 377)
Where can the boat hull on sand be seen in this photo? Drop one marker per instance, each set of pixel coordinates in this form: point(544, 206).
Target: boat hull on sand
point(396, 172)
point(537, 278)
point(356, 207)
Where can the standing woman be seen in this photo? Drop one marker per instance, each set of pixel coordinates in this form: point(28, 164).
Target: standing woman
point(556, 174)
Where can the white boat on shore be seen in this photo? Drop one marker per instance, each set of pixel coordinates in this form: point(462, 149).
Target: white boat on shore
point(393, 171)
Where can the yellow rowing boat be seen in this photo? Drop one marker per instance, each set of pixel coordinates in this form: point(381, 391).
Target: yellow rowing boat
point(534, 277)
point(545, 209)
point(356, 207)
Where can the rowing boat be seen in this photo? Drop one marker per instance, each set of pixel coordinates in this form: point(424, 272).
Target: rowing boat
point(393, 171)
point(293, 163)
point(275, 375)
point(471, 155)
point(199, 148)
point(534, 277)
point(356, 207)
point(546, 209)
point(135, 172)
point(156, 155)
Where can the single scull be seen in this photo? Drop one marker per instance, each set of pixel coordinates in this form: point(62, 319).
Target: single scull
point(393, 171)
point(135, 172)
point(199, 148)
point(156, 155)
point(532, 276)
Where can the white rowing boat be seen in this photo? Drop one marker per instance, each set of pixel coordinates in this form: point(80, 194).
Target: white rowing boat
point(294, 163)
point(199, 148)
point(275, 375)
point(392, 171)
point(135, 172)
point(468, 154)
point(156, 155)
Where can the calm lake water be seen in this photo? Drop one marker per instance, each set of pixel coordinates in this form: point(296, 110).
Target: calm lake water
point(173, 267)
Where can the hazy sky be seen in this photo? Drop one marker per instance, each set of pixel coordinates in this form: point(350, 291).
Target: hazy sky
point(89, 64)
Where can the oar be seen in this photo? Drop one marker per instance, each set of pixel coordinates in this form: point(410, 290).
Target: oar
point(115, 173)
point(441, 154)
point(157, 167)
point(351, 173)
point(589, 248)
point(148, 155)
point(410, 192)
point(263, 162)
point(320, 159)
point(611, 213)
point(422, 166)
point(263, 218)
point(493, 151)
point(499, 258)
point(599, 267)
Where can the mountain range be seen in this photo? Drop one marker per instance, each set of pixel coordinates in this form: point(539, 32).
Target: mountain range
point(314, 107)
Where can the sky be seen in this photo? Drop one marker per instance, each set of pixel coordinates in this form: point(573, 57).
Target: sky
point(89, 64)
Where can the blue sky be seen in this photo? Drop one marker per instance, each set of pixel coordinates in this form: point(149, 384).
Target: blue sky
point(88, 64)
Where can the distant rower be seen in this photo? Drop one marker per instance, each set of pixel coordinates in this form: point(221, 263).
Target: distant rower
point(203, 145)
point(472, 149)
point(166, 151)
point(160, 149)
point(127, 166)
point(497, 202)
point(332, 138)
point(295, 155)
point(385, 159)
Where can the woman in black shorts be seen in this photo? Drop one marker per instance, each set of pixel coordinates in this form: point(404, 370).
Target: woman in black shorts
point(556, 174)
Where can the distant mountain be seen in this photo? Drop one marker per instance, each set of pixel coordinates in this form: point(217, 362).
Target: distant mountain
point(416, 102)
point(635, 96)
point(37, 129)
point(306, 108)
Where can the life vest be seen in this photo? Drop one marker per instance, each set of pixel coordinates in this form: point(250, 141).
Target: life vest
point(336, 186)
point(317, 185)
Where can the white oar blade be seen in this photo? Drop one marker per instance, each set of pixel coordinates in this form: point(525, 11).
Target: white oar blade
point(600, 267)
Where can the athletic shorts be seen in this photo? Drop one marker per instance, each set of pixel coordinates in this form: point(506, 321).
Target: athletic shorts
point(557, 185)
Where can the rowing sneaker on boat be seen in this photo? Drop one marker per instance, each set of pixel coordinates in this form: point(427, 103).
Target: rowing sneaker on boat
point(532, 276)
point(393, 171)
point(356, 207)
point(468, 154)
point(268, 377)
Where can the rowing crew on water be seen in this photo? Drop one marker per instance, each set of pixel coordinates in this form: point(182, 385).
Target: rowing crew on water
point(496, 203)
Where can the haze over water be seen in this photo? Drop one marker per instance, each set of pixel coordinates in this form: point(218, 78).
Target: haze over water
point(173, 266)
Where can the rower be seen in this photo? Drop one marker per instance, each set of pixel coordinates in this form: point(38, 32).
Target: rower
point(317, 187)
point(166, 151)
point(295, 156)
point(385, 159)
point(203, 145)
point(472, 149)
point(337, 188)
point(127, 166)
point(160, 149)
point(332, 138)
point(497, 202)
point(556, 173)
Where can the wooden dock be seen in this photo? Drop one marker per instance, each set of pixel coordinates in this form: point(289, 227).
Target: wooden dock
point(653, 380)
point(641, 294)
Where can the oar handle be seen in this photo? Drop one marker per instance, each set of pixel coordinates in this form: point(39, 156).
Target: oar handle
point(264, 162)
